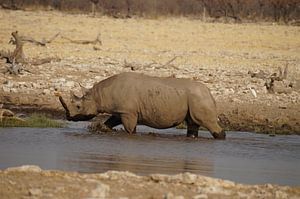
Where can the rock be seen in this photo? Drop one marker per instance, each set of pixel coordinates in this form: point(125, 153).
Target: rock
point(35, 192)
point(101, 190)
point(114, 184)
point(6, 89)
point(280, 87)
point(25, 168)
point(13, 90)
point(280, 194)
point(200, 196)
point(188, 178)
point(46, 92)
point(159, 177)
point(114, 175)
point(171, 196)
point(69, 84)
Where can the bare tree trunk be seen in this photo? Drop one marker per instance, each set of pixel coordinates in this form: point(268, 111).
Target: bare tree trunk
point(204, 14)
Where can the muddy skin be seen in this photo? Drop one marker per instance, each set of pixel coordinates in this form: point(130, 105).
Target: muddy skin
point(113, 121)
point(79, 117)
point(219, 136)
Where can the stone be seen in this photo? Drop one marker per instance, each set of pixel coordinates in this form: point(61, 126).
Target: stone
point(25, 168)
point(46, 92)
point(69, 84)
point(101, 190)
point(200, 196)
point(172, 196)
point(188, 178)
point(35, 192)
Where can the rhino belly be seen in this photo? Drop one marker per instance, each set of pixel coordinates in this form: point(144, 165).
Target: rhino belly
point(163, 111)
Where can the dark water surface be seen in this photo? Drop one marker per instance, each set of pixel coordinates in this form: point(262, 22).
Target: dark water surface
point(242, 157)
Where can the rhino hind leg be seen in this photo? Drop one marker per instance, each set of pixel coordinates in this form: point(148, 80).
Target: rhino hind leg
point(205, 114)
point(192, 127)
point(212, 125)
point(129, 122)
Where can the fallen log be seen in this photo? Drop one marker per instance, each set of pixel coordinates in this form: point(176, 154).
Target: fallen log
point(40, 43)
point(94, 42)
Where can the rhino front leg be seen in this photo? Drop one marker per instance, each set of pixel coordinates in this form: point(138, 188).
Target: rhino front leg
point(113, 121)
point(129, 122)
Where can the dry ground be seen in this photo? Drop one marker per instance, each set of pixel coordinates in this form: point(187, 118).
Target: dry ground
point(117, 185)
point(220, 55)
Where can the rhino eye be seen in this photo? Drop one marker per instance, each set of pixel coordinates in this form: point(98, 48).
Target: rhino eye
point(78, 107)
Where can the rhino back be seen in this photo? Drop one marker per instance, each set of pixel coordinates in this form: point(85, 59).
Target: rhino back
point(115, 94)
point(155, 103)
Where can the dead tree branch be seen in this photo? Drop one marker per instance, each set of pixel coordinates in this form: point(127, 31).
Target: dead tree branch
point(5, 113)
point(37, 62)
point(40, 43)
point(17, 55)
point(13, 68)
point(168, 63)
point(276, 82)
point(16, 59)
point(94, 42)
point(135, 66)
point(13, 6)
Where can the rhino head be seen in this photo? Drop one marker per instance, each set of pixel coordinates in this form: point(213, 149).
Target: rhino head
point(80, 108)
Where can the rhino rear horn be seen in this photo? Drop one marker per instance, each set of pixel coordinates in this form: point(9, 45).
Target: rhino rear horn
point(84, 90)
point(74, 96)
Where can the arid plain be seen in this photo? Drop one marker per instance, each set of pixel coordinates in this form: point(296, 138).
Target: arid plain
point(223, 56)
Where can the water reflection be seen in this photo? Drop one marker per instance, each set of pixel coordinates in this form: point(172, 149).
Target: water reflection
point(92, 163)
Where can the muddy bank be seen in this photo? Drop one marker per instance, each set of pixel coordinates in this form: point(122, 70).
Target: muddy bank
point(252, 117)
point(58, 184)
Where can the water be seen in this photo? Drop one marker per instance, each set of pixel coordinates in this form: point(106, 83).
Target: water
point(243, 157)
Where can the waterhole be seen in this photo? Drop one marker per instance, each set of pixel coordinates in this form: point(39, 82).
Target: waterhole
point(243, 157)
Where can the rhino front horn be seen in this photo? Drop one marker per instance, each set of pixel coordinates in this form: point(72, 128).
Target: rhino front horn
point(63, 103)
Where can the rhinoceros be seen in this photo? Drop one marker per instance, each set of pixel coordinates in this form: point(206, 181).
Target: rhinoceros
point(133, 98)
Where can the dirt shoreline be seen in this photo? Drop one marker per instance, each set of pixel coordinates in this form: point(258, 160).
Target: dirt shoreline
point(114, 184)
point(233, 117)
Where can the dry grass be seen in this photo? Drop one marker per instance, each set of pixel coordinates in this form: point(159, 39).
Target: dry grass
point(199, 44)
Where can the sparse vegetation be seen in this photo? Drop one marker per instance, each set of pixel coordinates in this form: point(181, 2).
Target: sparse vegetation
point(35, 120)
point(181, 126)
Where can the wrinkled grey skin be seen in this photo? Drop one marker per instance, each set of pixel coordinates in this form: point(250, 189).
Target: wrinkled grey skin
point(133, 98)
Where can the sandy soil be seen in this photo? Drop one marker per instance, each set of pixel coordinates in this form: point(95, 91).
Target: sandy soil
point(220, 55)
point(112, 184)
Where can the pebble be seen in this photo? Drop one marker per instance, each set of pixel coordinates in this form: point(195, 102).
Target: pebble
point(200, 196)
point(35, 192)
